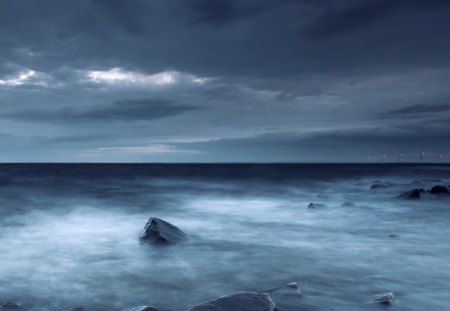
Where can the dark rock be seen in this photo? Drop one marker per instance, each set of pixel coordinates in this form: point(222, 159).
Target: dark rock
point(411, 195)
point(142, 308)
point(439, 190)
point(244, 301)
point(323, 195)
point(290, 289)
point(158, 231)
point(384, 298)
point(348, 204)
point(11, 305)
point(77, 308)
point(379, 184)
point(316, 205)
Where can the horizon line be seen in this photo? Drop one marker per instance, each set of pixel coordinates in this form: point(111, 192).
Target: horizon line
point(241, 162)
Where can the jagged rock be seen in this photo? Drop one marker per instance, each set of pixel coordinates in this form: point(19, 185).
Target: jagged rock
point(243, 301)
point(411, 195)
point(11, 305)
point(439, 190)
point(384, 298)
point(288, 289)
point(316, 205)
point(158, 231)
point(142, 308)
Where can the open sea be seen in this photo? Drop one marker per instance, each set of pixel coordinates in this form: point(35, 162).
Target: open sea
point(69, 235)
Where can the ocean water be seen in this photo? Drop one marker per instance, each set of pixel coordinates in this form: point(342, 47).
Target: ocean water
point(69, 235)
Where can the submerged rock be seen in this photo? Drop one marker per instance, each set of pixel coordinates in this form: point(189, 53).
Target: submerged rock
point(243, 301)
point(11, 305)
point(411, 195)
point(379, 184)
point(290, 289)
point(384, 298)
point(439, 190)
point(142, 308)
point(158, 231)
point(316, 205)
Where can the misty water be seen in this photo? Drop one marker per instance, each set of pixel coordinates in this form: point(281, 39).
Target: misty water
point(69, 235)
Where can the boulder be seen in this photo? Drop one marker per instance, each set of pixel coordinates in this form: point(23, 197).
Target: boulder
point(158, 231)
point(316, 205)
point(439, 190)
point(384, 298)
point(11, 305)
point(290, 289)
point(411, 195)
point(142, 308)
point(243, 301)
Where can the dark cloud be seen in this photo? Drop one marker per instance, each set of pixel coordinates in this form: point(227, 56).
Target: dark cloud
point(128, 110)
point(128, 14)
point(351, 145)
point(353, 17)
point(221, 12)
point(213, 11)
point(266, 37)
point(418, 110)
point(259, 79)
point(348, 16)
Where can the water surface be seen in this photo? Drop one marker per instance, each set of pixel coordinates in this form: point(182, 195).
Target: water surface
point(69, 235)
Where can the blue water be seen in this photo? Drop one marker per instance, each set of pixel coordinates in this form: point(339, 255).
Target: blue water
point(69, 235)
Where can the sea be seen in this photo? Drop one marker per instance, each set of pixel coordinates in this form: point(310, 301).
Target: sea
point(69, 235)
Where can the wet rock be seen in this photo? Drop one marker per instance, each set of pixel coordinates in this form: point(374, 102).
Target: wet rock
point(323, 196)
point(379, 184)
point(244, 301)
point(316, 205)
point(348, 204)
point(11, 305)
point(290, 289)
point(384, 298)
point(439, 190)
point(158, 231)
point(142, 308)
point(411, 195)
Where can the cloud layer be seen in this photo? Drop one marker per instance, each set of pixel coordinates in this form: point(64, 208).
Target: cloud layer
point(223, 80)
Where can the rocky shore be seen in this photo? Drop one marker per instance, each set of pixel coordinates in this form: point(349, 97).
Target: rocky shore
point(159, 234)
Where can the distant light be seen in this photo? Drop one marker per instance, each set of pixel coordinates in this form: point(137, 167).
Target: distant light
point(422, 154)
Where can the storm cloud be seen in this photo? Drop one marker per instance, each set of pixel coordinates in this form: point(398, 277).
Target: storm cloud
point(223, 80)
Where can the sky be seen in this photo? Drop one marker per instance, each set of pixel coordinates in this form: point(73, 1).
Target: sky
point(224, 80)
